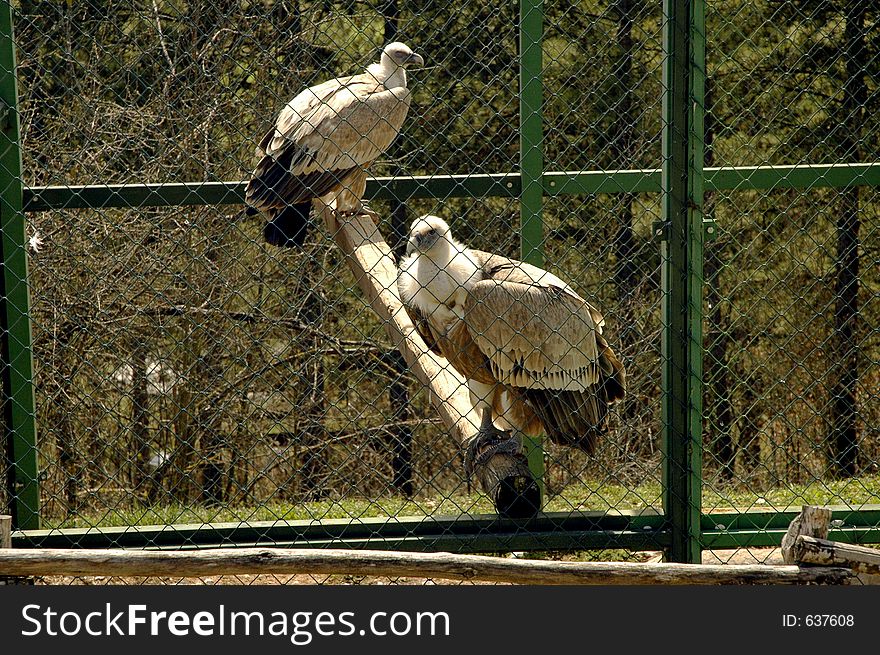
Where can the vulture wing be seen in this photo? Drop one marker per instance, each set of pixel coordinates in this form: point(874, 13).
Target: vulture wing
point(423, 327)
point(535, 330)
point(322, 135)
point(544, 343)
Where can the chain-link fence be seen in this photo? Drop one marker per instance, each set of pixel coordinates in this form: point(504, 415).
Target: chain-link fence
point(203, 385)
point(793, 401)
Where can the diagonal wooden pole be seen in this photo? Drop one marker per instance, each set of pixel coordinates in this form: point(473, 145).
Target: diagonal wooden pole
point(505, 477)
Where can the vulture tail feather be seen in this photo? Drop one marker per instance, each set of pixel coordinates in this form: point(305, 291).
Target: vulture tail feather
point(612, 375)
point(570, 418)
point(266, 187)
point(288, 228)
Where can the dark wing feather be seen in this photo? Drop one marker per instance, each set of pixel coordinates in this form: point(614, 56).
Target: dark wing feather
point(420, 321)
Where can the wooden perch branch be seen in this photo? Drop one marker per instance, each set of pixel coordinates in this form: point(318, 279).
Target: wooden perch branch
point(240, 561)
point(506, 478)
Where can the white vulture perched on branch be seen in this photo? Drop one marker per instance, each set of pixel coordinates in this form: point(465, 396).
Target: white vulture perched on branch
point(530, 348)
point(323, 141)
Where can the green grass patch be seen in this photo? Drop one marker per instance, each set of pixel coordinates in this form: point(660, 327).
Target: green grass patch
point(579, 497)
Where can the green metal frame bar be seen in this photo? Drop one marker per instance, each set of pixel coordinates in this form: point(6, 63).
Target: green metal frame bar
point(531, 140)
point(631, 530)
point(18, 394)
point(638, 529)
point(694, 314)
point(681, 254)
point(554, 183)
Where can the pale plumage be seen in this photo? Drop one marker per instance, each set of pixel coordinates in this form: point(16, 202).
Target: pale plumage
point(531, 348)
point(324, 140)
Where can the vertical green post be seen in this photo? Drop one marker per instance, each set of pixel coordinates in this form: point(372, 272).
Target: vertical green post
point(18, 394)
point(531, 32)
point(682, 254)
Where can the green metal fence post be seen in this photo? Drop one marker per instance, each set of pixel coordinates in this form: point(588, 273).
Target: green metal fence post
point(531, 29)
point(18, 394)
point(682, 283)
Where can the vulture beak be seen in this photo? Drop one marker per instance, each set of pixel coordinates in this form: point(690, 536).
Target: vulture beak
point(425, 241)
point(415, 59)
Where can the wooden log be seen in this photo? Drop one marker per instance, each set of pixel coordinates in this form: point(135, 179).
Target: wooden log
point(242, 561)
point(5, 531)
point(811, 521)
point(822, 552)
point(504, 477)
point(6, 542)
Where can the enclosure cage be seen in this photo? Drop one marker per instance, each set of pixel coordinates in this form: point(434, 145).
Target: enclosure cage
point(705, 174)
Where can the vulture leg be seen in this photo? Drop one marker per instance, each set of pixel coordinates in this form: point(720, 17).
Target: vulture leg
point(348, 200)
point(489, 440)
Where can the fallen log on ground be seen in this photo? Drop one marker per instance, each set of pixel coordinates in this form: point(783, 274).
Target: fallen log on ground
point(256, 561)
point(822, 552)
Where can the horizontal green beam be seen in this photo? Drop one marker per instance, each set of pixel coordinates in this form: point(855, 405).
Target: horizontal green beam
point(772, 538)
point(133, 195)
point(581, 531)
point(763, 528)
point(741, 178)
point(232, 193)
point(630, 530)
point(806, 176)
point(592, 182)
point(864, 516)
point(732, 178)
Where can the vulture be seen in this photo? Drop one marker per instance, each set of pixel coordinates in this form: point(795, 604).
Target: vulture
point(530, 348)
point(322, 143)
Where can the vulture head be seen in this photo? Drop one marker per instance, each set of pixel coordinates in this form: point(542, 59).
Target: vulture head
point(398, 55)
point(428, 233)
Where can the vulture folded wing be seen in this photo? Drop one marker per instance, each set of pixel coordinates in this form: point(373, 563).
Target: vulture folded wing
point(504, 268)
point(325, 133)
point(347, 127)
point(536, 336)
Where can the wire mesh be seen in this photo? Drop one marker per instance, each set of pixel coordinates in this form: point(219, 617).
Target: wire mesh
point(186, 372)
point(791, 363)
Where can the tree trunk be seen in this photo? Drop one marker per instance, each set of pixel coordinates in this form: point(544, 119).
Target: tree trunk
point(313, 437)
point(211, 440)
point(718, 384)
point(140, 428)
point(748, 446)
point(843, 437)
point(623, 147)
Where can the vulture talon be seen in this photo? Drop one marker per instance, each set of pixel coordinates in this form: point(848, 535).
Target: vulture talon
point(369, 212)
point(488, 442)
point(357, 211)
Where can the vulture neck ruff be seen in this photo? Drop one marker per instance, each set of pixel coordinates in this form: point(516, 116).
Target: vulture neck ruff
point(388, 73)
point(437, 281)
